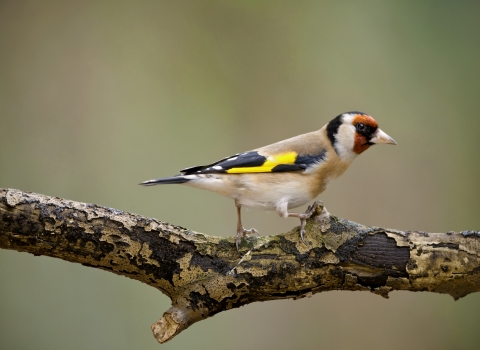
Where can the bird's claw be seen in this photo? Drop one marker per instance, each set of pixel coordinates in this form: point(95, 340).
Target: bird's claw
point(252, 231)
point(303, 219)
point(243, 232)
point(303, 222)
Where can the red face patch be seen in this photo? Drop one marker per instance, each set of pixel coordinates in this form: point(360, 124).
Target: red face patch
point(365, 119)
point(361, 143)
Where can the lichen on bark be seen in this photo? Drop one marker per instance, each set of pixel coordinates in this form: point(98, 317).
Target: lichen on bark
point(204, 275)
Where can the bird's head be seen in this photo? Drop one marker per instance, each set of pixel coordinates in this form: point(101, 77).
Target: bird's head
point(352, 133)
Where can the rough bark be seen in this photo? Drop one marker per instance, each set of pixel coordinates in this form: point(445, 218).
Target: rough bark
point(204, 275)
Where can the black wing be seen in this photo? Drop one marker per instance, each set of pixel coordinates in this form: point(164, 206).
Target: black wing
point(254, 162)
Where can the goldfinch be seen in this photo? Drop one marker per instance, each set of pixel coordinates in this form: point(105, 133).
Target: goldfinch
point(286, 174)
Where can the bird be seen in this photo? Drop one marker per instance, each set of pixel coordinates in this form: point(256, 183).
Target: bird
point(286, 174)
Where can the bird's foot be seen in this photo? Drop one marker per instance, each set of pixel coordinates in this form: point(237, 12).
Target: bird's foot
point(303, 219)
point(243, 232)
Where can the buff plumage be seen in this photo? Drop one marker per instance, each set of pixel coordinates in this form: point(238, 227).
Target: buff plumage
point(286, 174)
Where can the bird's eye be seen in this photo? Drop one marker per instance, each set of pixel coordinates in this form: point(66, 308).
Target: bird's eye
point(360, 127)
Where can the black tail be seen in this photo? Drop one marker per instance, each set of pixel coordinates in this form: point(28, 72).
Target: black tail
point(179, 179)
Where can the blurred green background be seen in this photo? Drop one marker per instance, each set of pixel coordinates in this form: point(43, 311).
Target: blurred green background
point(96, 96)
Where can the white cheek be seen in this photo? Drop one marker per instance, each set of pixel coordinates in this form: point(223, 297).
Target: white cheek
point(345, 142)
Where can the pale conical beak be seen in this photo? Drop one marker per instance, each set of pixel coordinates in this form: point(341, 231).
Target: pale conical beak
point(380, 137)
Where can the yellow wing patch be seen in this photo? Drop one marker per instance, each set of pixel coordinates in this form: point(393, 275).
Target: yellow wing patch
point(270, 163)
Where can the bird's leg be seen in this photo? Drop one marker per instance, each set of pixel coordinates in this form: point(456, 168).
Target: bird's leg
point(303, 218)
point(241, 231)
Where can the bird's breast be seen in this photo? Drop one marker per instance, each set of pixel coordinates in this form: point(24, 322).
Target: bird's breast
point(265, 191)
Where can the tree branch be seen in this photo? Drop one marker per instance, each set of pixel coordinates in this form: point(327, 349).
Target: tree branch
point(204, 275)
